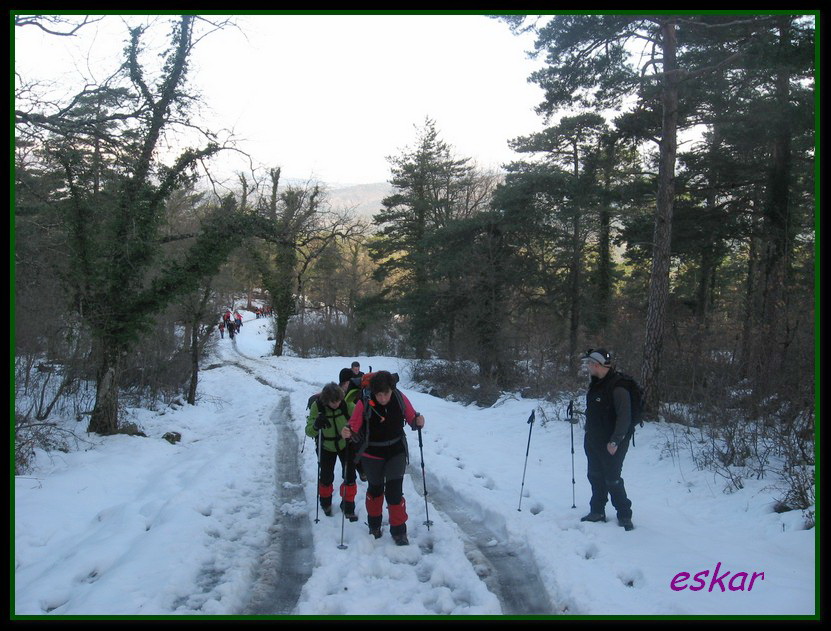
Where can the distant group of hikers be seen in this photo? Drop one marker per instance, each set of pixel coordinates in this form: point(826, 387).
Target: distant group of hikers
point(360, 421)
point(231, 322)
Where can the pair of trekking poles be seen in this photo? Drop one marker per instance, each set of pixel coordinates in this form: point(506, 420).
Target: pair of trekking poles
point(570, 414)
point(342, 545)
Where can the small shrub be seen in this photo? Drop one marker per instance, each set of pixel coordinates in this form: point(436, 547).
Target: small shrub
point(455, 381)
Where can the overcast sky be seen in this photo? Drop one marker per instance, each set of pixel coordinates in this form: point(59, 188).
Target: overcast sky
point(329, 97)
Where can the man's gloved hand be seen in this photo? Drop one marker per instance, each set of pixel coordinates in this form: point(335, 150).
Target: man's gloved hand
point(321, 422)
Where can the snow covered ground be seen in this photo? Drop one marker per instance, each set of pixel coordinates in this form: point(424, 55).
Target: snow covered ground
point(223, 522)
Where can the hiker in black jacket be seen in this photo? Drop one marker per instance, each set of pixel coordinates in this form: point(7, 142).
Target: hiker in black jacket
point(608, 422)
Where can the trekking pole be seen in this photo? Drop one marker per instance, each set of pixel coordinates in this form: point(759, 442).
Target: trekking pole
point(427, 523)
point(527, 449)
point(319, 448)
point(570, 414)
point(342, 545)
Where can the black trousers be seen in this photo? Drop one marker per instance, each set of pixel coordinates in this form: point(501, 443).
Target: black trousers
point(385, 480)
point(604, 476)
point(386, 477)
point(327, 467)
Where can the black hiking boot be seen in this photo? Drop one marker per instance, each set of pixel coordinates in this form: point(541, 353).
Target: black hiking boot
point(593, 517)
point(376, 532)
point(348, 509)
point(401, 539)
point(625, 523)
point(327, 509)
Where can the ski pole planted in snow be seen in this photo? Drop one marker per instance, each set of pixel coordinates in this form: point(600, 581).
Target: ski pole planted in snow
point(427, 523)
point(570, 414)
point(319, 447)
point(527, 449)
point(342, 545)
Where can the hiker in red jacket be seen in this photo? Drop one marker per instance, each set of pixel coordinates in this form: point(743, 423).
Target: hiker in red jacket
point(378, 431)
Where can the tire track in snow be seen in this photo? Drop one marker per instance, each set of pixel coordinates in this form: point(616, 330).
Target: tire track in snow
point(506, 567)
point(288, 561)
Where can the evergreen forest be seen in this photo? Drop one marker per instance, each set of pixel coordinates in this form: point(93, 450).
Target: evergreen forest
point(665, 210)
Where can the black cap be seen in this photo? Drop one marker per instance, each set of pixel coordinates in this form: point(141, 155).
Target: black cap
point(345, 375)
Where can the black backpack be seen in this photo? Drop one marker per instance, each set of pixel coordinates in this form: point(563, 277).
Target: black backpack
point(362, 438)
point(635, 395)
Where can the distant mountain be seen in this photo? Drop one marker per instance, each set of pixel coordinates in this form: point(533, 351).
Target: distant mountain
point(364, 198)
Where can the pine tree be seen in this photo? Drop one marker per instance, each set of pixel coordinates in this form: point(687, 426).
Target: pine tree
point(429, 192)
point(592, 62)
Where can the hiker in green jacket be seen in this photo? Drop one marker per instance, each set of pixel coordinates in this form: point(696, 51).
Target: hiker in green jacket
point(327, 417)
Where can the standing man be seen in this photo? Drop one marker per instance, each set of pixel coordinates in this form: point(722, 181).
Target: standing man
point(608, 432)
point(356, 369)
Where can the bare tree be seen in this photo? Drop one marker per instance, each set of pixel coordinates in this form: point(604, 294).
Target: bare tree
point(62, 25)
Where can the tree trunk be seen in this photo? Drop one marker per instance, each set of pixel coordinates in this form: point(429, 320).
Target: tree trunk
point(490, 309)
point(104, 418)
point(604, 271)
point(194, 363)
point(659, 274)
point(706, 276)
point(280, 334)
point(778, 237)
point(576, 258)
point(451, 337)
point(748, 351)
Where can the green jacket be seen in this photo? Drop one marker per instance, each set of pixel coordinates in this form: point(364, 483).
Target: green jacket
point(337, 421)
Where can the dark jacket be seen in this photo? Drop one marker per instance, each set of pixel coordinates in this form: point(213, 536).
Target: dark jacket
point(382, 435)
point(608, 410)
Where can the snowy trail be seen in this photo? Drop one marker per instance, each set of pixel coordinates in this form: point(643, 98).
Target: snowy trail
point(221, 523)
point(505, 567)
